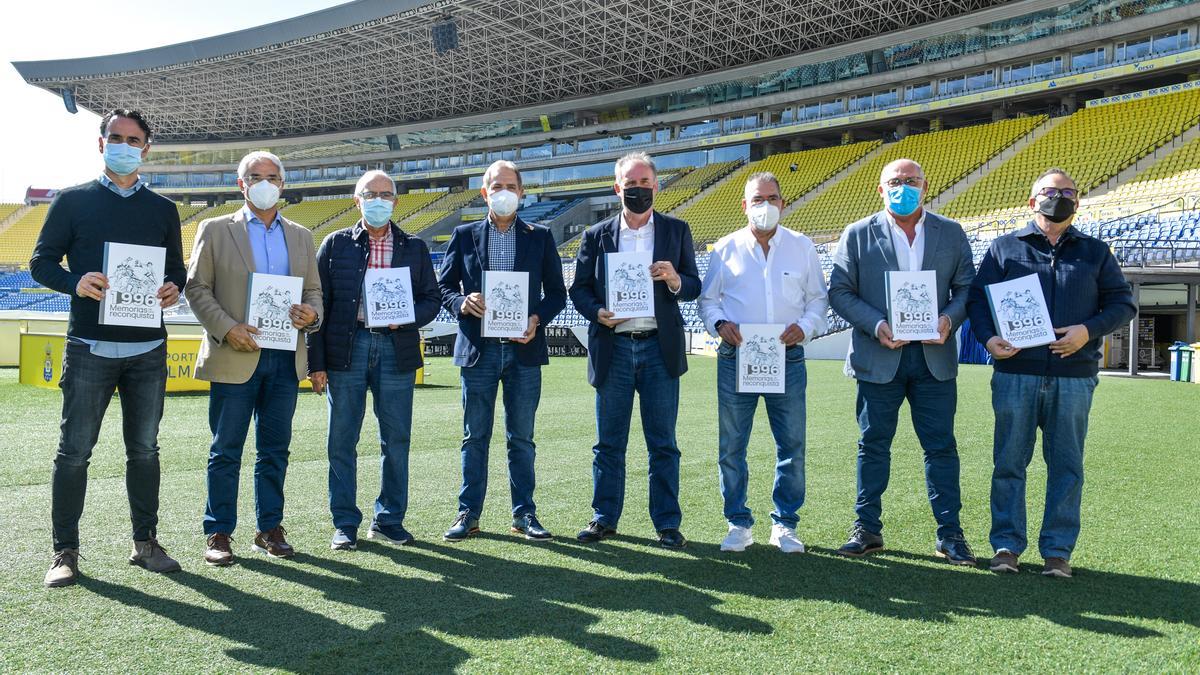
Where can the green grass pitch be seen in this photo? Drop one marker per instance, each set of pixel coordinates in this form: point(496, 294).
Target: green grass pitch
point(499, 603)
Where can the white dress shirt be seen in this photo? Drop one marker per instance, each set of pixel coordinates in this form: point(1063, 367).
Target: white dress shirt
point(909, 257)
point(631, 240)
point(784, 286)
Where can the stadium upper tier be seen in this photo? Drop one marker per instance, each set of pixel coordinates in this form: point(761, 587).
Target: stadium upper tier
point(719, 212)
point(947, 157)
point(243, 85)
point(1093, 145)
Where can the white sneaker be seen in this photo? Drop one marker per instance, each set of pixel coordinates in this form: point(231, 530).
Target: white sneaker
point(737, 539)
point(785, 538)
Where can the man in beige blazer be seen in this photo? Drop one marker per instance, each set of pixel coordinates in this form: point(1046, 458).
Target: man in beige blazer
point(249, 381)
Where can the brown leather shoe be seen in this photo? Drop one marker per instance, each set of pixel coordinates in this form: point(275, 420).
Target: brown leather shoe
point(64, 570)
point(273, 544)
point(218, 553)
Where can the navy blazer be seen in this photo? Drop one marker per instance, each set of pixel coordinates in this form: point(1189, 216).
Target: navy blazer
point(342, 265)
point(462, 274)
point(672, 243)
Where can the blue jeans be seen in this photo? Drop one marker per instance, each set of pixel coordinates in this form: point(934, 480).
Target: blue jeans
point(522, 389)
point(88, 382)
point(269, 397)
point(636, 365)
point(1059, 406)
point(932, 403)
point(373, 367)
point(786, 413)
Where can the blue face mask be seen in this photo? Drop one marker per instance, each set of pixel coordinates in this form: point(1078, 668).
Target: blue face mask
point(122, 158)
point(377, 212)
point(902, 200)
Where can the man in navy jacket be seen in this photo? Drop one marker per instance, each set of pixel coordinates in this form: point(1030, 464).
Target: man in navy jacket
point(346, 357)
point(646, 355)
point(1048, 387)
point(500, 242)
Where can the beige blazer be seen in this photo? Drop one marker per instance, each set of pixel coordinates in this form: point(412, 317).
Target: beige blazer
point(217, 286)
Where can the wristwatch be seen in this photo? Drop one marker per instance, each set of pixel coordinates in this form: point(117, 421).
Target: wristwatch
point(718, 324)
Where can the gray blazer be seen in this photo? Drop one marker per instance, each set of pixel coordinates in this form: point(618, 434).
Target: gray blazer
point(857, 292)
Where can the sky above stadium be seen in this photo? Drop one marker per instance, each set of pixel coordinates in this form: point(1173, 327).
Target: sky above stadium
point(47, 147)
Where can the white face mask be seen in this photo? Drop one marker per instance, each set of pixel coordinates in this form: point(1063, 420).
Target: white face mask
point(763, 216)
point(503, 203)
point(263, 194)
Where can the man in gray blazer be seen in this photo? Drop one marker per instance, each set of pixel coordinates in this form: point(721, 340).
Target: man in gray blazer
point(903, 237)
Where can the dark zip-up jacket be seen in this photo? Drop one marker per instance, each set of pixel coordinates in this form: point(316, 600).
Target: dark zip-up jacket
point(342, 264)
point(1082, 283)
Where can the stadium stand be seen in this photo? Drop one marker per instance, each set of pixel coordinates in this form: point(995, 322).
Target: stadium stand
point(1174, 176)
point(7, 210)
point(16, 242)
point(1093, 145)
point(691, 184)
point(719, 212)
point(947, 157)
point(547, 210)
point(312, 213)
point(437, 210)
point(187, 211)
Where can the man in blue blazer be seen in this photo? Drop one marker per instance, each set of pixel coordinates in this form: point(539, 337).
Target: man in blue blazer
point(903, 237)
point(500, 242)
point(646, 355)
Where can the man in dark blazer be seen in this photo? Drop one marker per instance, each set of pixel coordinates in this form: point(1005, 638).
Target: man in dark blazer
point(347, 357)
point(500, 242)
point(903, 237)
point(646, 355)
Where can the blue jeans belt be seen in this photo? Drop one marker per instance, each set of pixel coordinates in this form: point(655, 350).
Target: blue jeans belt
point(639, 334)
point(382, 330)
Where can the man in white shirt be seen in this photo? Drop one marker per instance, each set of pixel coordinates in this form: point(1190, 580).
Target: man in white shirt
point(763, 274)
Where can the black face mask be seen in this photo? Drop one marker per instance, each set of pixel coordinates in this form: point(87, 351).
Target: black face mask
point(1057, 209)
point(638, 199)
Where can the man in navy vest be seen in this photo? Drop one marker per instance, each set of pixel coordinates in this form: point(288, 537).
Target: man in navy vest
point(505, 243)
point(347, 357)
point(646, 355)
point(100, 359)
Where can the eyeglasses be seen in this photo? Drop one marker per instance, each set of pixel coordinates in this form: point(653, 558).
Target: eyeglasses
point(1052, 192)
point(255, 178)
point(911, 181)
point(390, 196)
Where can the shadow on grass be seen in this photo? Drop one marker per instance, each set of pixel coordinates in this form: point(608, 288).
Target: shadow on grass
point(905, 586)
point(472, 595)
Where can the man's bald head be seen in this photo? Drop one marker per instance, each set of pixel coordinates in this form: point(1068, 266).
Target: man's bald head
point(901, 168)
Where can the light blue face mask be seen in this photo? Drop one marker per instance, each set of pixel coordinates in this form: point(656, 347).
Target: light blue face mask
point(377, 212)
point(902, 200)
point(122, 158)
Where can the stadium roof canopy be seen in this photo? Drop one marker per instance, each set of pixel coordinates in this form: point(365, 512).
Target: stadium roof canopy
point(371, 64)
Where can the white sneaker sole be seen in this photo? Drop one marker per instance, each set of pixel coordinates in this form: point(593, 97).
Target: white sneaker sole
point(779, 546)
point(1057, 574)
point(379, 536)
point(736, 549)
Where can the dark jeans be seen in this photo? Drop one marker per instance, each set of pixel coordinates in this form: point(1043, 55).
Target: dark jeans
point(1059, 406)
point(637, 365)
point(735, 420)
point(88, 382)
point(269, 397)
point(372, 367)
point(932, 403)
point(522, 389)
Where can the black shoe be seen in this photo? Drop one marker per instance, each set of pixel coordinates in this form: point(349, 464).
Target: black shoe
point(389, 534)
point(671, 538)
point(861, 542)
point(955, 550)
point(528, 525)
point(463, 526)
point(344, 539)
point(594, 532)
